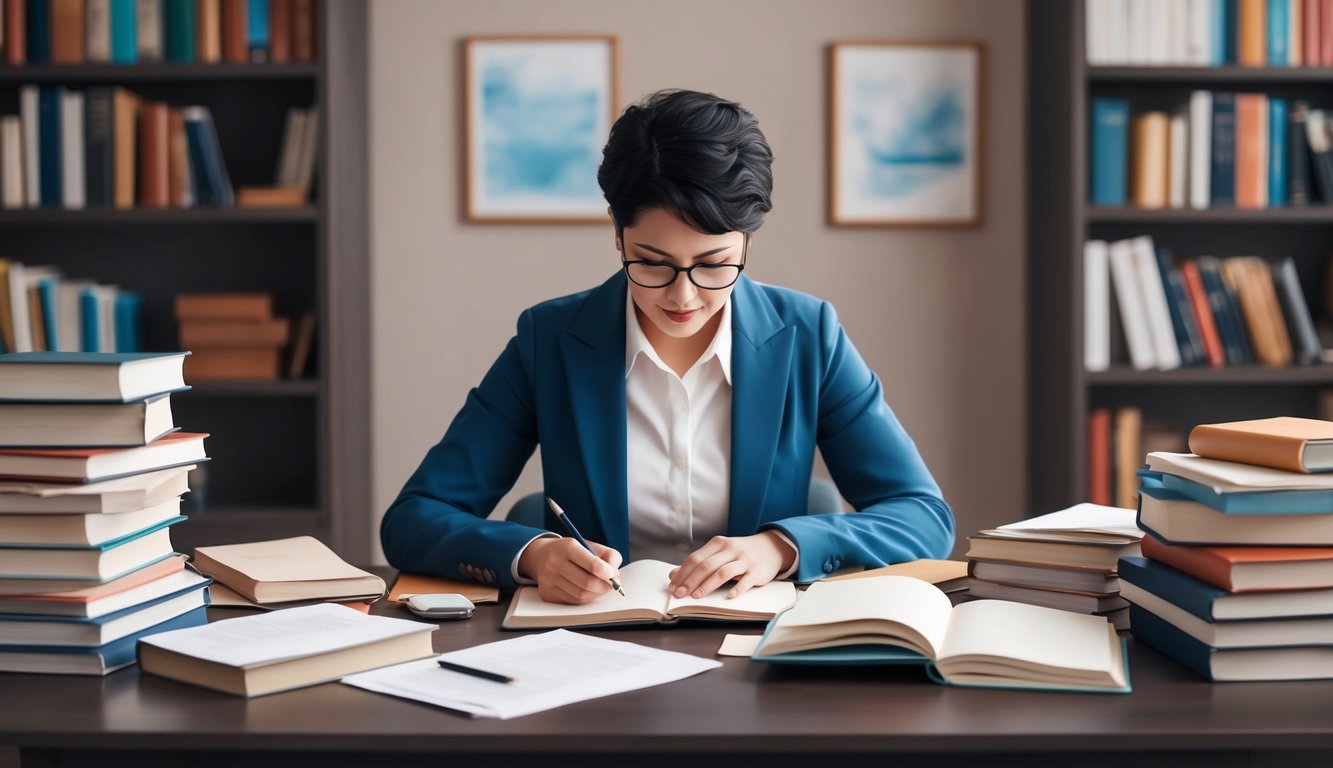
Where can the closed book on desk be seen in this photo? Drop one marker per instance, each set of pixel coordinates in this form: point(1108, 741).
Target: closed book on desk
point(82, 530)
point(75, 660)
point(98, 562)
point(109, 497)
point(1282, 442)
point(1064, 599)
point(1242, 489)
point(138, 586)
point(85, 425)
point(1096, 580)
point(286, 570)
point(1246, 569)
point(986, 643)
point(86, 465)
point(1307, 662)
point(646, 601)
point(1178, 519)
point(1139, 575)
point(1243, 633)
point(78, 631)
point(89, 376)
point(282, 650)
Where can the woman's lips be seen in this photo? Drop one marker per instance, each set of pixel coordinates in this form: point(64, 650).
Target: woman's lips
point(681, 317)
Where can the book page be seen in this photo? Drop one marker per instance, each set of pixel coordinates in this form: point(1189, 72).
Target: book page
point(644, 582)
point(760, 602)
point(1229, 476)
point(899, 599)
point(1029, 637)
point(1092, 518)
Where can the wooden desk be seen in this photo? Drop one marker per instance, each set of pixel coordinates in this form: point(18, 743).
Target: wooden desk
point(734, 716)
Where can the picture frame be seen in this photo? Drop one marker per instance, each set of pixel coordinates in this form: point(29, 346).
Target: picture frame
point(906, 122)
point(538, 109)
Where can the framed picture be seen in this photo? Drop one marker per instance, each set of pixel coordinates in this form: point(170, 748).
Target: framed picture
point(905, 127)
point(538, 112)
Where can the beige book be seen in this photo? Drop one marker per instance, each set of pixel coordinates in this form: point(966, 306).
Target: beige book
point(646, 601)
point(948, 575)
point(410, 584)
point(986, 643)
point(1149, 148)
point(278, 651)
point(285, 570)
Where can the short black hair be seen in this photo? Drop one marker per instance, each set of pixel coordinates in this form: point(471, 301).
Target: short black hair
point(698, 156)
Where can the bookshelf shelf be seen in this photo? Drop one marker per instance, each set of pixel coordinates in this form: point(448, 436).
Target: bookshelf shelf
point(1201, 76)
point(135, 216)
point(1314, 214)
point(1062, 394)
point(1247, 375)
point(148, 73)
point(281, 388)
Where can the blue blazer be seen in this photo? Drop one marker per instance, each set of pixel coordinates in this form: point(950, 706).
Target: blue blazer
point(797, 383)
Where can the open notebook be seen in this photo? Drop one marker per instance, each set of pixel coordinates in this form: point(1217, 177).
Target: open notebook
point(986, 643)
point(646, 602)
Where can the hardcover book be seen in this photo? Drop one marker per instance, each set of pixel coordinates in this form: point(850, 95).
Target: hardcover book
point(1281, 442)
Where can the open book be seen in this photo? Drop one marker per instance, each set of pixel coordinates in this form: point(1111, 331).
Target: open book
point(646, 601)
point(986, 643)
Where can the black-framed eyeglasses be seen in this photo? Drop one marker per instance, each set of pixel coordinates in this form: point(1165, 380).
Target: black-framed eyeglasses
point(660, 274)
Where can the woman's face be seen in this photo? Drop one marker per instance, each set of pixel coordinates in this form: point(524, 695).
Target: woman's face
point(680, 309)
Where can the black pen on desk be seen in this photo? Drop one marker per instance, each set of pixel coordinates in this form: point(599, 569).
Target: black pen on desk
point(569, 526)
point(483, 674)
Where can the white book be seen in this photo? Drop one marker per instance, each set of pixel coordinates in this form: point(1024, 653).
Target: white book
point(1234, 477)
point(18, 308)
point(1199, 38)
point(106, 316)
point(76, 633)
point(290, 154)
point(1262, 158)
point(148, 17)
point(1165, 348)
point(1138, 31)
point(1094, 31)
point(32, 176)
point(1160, 32)
point(108, 498)
point(1129, 297)
point(1178, 154)
point(1096, 306)
point(1118, 34)
point(71, 150)
point(33, 277)
point(11, 162)
point(98, 28)
point(1200, 149)
point(98, 563)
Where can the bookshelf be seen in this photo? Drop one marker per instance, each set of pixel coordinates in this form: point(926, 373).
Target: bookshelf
point(1061, 392)
point(290, 456)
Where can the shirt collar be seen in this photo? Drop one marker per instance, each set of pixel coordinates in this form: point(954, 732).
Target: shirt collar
point(636, 343)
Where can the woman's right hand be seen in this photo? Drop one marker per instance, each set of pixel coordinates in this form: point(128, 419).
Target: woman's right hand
point(565, 572)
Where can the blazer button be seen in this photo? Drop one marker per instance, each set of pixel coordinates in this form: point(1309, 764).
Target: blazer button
point(462, 568)
point(828, 566)
point(837, 563)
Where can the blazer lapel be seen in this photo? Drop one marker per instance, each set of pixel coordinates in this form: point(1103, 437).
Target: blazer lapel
point(761, 361)
point(594, 351)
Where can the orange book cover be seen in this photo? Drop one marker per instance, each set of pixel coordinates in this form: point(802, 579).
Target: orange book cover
point(303, 30)
point(234, 333)
point(235, 22)
point(1099, 456)
point(178, 160)
point(280, 31)
point(1251, 150)
point(233, 363)
point(154, 181)
point(133, 579)
point(15, 32)
point(67, 31)
point(125, 117)
point(1310, 26)
point(1203, 312)
point(1252, 36)
point(224, 306)
point(1325, 31)
point(1128, 455)
point(1149, 148)
point(1281, 442)
point(1266, 294)
point(1234, 271)
point(1228, 567)
point(208, 31)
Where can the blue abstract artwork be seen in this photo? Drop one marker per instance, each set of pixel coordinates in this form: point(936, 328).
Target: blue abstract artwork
point(539, 113)
point(905, 134)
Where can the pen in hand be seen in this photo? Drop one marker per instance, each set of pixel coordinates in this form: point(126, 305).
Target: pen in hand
point(574, 532)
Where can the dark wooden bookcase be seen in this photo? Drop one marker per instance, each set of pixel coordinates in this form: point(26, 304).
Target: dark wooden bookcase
point(1061, 392)
point(290, 456)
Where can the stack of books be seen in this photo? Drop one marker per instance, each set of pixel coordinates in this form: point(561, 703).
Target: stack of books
point(1236, 577)
point(1066, 560)
point(232, 335)
point(92, 471)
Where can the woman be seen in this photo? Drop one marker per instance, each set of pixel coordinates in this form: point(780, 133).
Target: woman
point(678, 404)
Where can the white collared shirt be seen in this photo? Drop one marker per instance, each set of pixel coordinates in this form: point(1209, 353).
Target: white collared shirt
point(678, 444)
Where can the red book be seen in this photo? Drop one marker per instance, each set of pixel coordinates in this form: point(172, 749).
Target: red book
point(86, 465)
point(1251, 150)
point(235, 28)
point(1247, 569)
point(1203, 312)
point(303, 30)
point(1325, 31)
point(68, 33)
point(279, 31)
point(15, 32)
point(1099, 456)
point(1312, 54)
point(154, 181)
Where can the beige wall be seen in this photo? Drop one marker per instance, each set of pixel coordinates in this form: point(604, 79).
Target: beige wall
point(937, 312)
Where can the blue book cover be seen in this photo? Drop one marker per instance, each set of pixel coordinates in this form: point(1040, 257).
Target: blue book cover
point(124, 32)
point(50, 162)
point(46, 292)
point(1310, 502)
point(1277, 152)
point(83, 358)
point(206, 158)
point(112, 656)
point(38, 16)
point(1217, 29)
point(1178, 307)
point(1176, 587)
point(179, 30)
point(89, 321)
point(35, 632)
point(1222, 170)
point(257, 32)
point(1173, 643)
point(1233, 31)
point(128, 308)
point(1110, 150)
point(1279, 33)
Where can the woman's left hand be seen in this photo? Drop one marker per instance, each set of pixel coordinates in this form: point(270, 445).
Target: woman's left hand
point(751, 561)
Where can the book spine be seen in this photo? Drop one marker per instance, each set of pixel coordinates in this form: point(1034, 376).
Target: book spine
point(154, 189)
point(1096, 306)
point(305, 39)
point(1150, 143)
point(50, 100)
point(16, 32)
point(30, 117)
point(90, 335)
point(97, 47)
point(1155, 305)
point(1252, 40)
point(148, 29)
point(1110, 147)
point(1277, 153)
point(235, 27)
point(124, 32)
point(73, 194)
point(100, 176)
point(1203, 313)
point(38, 15)
point(1278, 50)
point(1129, 296)
point(1251, 150)
point(280, 31)
point(1316, 132)
point(1175, 587)
point(1310, 352)
point(125, 115)
point(1299, 180)
point(1128, 455)
point(128, 308)
point(1200, 147)
point(1310, 26)
point(1099, 456)
point(257, 31)
point(68, 31)
point(1222, 173)
point(1172, 642)
point(11, 162)
point(180, 30)
point(47, 293)
point(209, 41)
point(1199, 562)
point(178, 161)
point(1275, 451)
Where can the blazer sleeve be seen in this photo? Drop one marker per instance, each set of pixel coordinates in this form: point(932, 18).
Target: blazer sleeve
point(438, 524)
point(900, 514)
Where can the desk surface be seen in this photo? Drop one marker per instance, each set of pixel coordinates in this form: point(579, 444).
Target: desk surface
point(741, 707)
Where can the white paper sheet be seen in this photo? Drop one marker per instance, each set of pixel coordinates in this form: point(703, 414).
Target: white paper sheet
point(549, 670)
